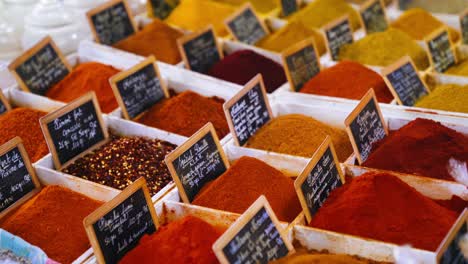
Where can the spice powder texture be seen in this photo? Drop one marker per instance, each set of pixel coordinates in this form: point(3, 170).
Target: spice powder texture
point(53, 221)
point(123, 160)
point(447, 97)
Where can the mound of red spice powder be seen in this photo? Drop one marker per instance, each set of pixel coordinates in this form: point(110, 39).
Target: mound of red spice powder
point(349, 80)
point(241, 66)
point(53, 221)
point(188, 240)
point(186, 113)
point(422, 147)
point(86, 77)
point(381, 206)
point(247, 179)
point(24, 123)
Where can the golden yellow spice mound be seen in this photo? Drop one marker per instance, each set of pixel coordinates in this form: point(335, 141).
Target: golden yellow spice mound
point(321, 12)
point(299, 135)
point(384, 48)
point(291, 34)
point(261, 6)
point(439, 6)
point(419, 24)
point(460, 69)
point(195, 15)
point(447, 97)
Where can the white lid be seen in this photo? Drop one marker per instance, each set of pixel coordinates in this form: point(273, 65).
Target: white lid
point(20, 2)
point(83, 4)
point(50, 13)
point(10, 45)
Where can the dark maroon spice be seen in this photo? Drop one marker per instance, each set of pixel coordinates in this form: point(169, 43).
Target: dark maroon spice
point(241, 66)
point(123, 160)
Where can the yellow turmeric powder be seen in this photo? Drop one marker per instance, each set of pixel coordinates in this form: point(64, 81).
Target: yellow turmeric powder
point(384, 48)
point(261, 6)
point(291, 34)
point(447, 97)
point(299, 135)
point(195, 15)
point(419, 23)
point(321, 12)
point(460, 69)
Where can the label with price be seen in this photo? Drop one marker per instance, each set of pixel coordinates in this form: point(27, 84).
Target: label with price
point(255, 237)
point(196, 162)
point(115, 228)
point(248, 111)
point(337, 34)
point(18, 180)
point(441, 51)
point(246, 26)
point(365, 126)
point(464, 26)
point(111, 22)
point(139, 88)
point(289, 7)
point(74, 130)
point(318, 179)
point(373, 16)
point(40, 68)
point(161, 8)
point(4, 104)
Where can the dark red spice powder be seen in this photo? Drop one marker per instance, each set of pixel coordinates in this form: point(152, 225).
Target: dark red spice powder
point(422, 147)
point(350, 80)
point(381, 206)
point(241, 66)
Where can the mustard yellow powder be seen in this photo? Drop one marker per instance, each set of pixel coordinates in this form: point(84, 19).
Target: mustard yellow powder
point(291, 34)
point(261, 6)
point(460, 69)
point(447, 97)
point(439, 6)
point(384, 48)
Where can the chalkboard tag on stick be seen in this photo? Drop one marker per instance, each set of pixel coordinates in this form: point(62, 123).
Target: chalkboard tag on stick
point(365, 126)
point(464, 26)
point(139, 88)
point(257, 226)
point(40, 68)
point(337, 34)
point(161, 8)
point(111, 22)
point(200, 51)
point(246, 26)
point(289, 7)
point(74, 130)
point(441, 50)
point(373, 16)
point(116, 227)
point(248, 111)
point(199, 160)
point(4, 104)
point(19, 181)
point(318, 179)
point(450, 251)
point(301, 63)
point(404, 81)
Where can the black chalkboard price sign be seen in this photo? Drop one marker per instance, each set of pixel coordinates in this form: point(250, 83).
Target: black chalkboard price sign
point(161, 8)
point(373, 16)
point(200, 51)
point(301, 62)
point(404, 82)
point(441, 52)
point(246, 26)
point(365, 126)
point(248, 111)
point(115, 228)
point(4, 104)
point(255, 237)
point(139, 88)
point(404, 4)
point(196, 162)
point(318, 179)
point(464, 26)
point(40, 68)
point(74, 129)
point(18, 181)
point(111, 22)
point(337, 34)
point(450, 251)
point(289, 7)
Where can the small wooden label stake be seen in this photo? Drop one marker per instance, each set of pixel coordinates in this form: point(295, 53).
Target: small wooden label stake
point(246, 26)
point(450, 250)
point(373, 16)
point(441, 50)
point(337, 34)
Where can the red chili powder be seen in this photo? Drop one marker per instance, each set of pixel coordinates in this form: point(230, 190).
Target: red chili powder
point(188, 240)
point(381, 206)
point(86, 77)
point(244, 182)
point(422, 147)
point(241, 66)
point(350, 80)
point(186, 113)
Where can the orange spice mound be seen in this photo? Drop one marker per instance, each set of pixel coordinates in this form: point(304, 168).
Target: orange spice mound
point(24, 122)
point(53, 221)
point(86, 77)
